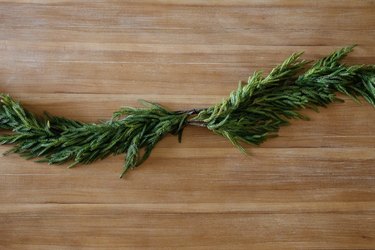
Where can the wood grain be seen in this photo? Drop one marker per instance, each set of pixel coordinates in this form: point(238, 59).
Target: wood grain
point(313, 187)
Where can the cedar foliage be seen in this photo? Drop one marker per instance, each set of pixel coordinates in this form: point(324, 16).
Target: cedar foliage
point(252, 113)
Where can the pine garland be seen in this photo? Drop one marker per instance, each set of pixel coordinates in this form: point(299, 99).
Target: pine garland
point(252, 113)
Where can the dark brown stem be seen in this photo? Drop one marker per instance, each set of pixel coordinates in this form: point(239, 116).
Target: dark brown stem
point(189, 112)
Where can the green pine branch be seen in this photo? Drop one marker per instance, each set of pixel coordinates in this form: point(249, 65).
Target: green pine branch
point(252, 113)
point(256, 110)
point(57, 140)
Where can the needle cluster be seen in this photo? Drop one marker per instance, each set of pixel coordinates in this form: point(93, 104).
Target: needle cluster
point(258, 108)
point(57, 140)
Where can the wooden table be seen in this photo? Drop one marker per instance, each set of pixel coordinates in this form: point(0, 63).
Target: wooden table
point(313, 187)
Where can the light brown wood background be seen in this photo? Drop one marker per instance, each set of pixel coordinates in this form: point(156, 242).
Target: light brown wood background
point(313, 187)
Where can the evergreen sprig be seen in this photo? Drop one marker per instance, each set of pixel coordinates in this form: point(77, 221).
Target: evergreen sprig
point(252, 113)
point(259, 108)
